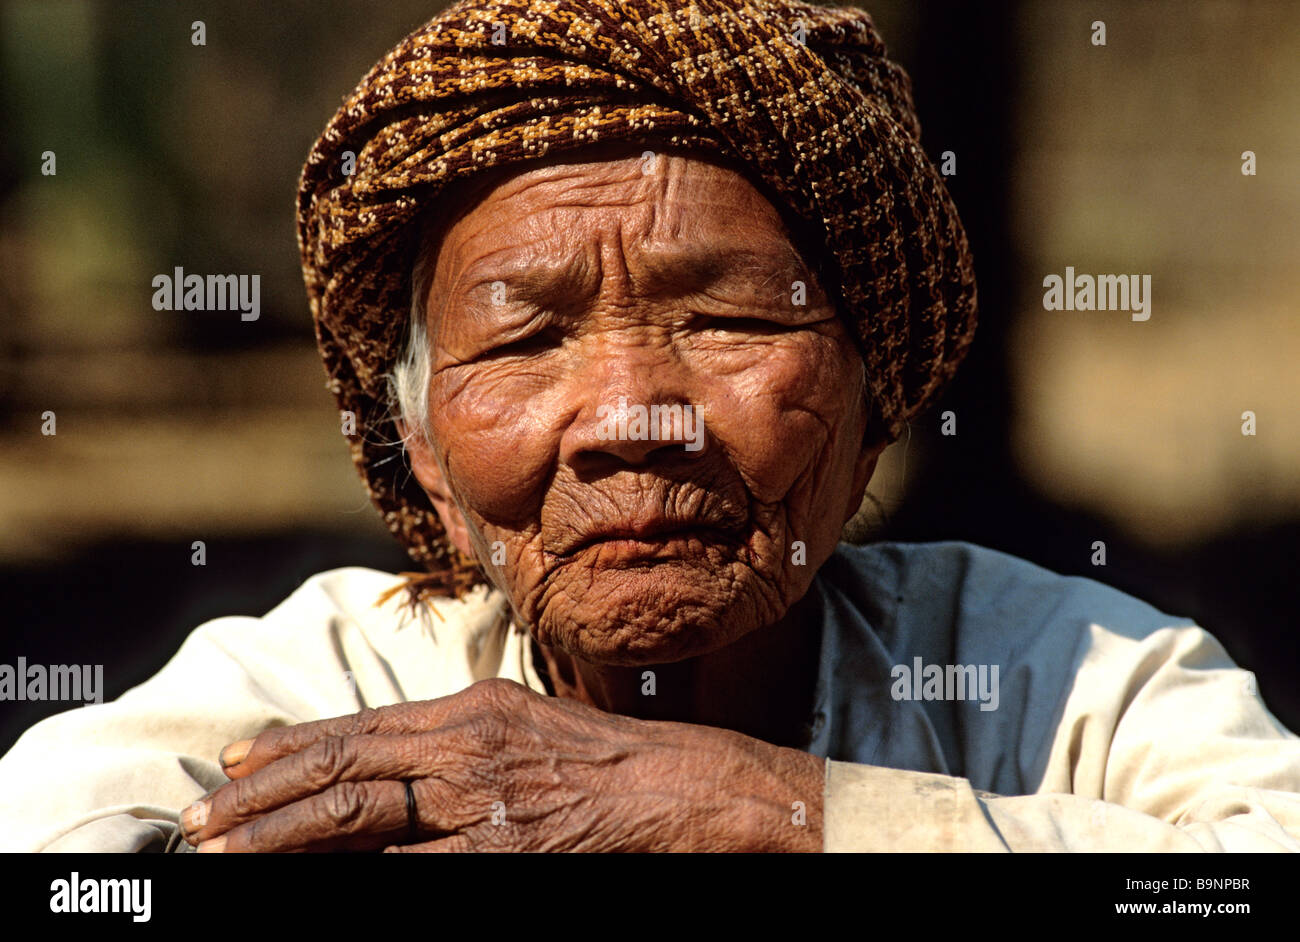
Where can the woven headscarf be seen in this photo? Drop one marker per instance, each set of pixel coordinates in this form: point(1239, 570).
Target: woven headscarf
point(801, 96)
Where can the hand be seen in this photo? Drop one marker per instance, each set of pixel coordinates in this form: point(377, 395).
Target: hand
point(499, 767)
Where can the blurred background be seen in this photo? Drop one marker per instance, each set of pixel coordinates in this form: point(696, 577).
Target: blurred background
point(1072, 427)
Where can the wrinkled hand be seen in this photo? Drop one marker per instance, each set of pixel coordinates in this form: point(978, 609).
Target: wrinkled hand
point(499, 767)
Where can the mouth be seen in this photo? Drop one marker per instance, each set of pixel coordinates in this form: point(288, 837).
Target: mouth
point(650, 539)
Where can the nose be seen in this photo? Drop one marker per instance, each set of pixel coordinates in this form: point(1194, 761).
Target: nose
point(635, 410)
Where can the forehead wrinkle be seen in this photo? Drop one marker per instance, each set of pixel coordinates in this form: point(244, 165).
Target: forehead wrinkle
point(462, 267)
point(571, 281)
point(531, 179)
point(543, 276)
point(580, 186)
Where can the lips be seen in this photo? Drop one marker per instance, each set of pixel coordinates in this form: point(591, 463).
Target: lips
point(652, 532)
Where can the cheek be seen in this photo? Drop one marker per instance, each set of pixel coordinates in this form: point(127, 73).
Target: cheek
point(503, 446)
point(783, 411)
point(780, 408)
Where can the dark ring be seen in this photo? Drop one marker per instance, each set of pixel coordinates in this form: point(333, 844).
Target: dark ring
point(412, 817)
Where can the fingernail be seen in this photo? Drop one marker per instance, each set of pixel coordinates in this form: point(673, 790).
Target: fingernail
point(216, 845)
point(235, 753)
point(195, 816)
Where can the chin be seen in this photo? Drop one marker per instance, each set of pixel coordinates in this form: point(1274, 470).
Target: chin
point(633, 616)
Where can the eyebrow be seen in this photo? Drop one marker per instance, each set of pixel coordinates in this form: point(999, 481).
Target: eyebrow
point(679, 273)
point(673, 273)
point(545, 283)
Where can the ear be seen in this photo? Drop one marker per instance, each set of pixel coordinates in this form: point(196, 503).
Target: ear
point(424, 465)
point(874, 442)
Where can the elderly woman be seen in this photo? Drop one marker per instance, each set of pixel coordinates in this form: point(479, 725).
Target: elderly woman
point(676, 276)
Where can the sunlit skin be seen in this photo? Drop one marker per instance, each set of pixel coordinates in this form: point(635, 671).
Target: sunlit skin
point(679, 290)
point(556, 292)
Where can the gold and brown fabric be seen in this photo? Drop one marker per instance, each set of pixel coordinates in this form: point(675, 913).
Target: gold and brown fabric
point(801, 96)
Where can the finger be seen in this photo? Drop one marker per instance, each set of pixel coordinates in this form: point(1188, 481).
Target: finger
point(244, 758)
point(452, 844)
point(327, 762)
point(247, 756)
point(350, 816)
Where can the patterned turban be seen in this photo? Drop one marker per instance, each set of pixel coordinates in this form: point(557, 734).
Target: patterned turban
point(799, 96)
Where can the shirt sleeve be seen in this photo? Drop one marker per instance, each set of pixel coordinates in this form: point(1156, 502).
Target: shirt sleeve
point(113, 777)
point(1163, 745)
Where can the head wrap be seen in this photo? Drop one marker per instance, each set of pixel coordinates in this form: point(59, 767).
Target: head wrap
point(801, 96)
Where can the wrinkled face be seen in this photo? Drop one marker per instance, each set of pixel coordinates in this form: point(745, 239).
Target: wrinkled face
point(647, 421)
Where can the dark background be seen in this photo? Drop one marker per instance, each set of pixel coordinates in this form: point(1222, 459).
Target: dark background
point(179, 426)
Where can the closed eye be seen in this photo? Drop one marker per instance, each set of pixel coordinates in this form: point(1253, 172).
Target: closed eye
point(537, 342)
point(746, 325)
